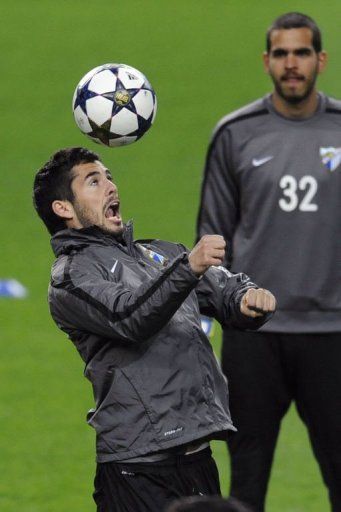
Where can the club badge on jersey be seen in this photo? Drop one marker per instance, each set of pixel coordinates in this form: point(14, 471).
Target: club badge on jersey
point(207, 325)
point(152, 255)
point(331, 158)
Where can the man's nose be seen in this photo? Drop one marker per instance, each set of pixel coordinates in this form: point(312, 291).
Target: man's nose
point(290, 61)
point(111, 187)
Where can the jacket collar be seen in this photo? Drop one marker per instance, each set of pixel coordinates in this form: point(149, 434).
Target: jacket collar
point(69, 240)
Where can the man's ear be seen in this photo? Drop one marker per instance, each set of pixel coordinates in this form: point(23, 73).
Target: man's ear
point(63, 209)
point(322, 61)
point(266, 62)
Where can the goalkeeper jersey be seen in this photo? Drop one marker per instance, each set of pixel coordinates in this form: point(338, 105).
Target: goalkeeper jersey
point(272, 188)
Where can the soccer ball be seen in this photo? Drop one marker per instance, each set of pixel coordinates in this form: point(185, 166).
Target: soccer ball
point(114, 104)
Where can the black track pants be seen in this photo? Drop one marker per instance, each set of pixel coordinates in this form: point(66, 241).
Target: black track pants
point(151, 487)
point(266, 371)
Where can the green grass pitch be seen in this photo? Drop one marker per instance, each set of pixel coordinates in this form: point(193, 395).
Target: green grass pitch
point(203, 59)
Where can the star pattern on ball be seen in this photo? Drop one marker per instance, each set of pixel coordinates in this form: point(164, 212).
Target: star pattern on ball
point(144, 124)
point(83, 94)
point(113, 94)
point(101, 132)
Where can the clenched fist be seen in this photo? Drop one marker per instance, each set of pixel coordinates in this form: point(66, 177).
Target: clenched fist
point(210, 250)
point(257, 302)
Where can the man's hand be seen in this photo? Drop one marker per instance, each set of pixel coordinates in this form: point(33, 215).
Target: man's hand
point(257, 302)
point(210, 250)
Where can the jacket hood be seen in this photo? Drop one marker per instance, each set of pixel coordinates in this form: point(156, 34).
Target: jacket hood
point(68, 240)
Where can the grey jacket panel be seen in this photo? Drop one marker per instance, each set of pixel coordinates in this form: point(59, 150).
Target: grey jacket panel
point(135, 322)
point(275, 198)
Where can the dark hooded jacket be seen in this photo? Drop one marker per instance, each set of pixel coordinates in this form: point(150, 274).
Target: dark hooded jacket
point(132, 309)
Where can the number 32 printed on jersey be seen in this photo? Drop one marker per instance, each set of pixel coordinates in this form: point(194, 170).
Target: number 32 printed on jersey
point(292, 199)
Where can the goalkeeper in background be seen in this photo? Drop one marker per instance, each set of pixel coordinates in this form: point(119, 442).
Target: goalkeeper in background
point(272, 189)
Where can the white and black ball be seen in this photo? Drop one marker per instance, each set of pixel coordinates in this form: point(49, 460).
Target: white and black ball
point(114, 104)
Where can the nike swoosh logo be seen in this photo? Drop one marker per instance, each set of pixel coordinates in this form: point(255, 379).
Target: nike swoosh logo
point(114, 267)
point(256, 162)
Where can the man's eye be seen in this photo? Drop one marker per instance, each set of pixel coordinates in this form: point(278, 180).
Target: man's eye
point(303, 52)
point(279, 53)
point(94, 182)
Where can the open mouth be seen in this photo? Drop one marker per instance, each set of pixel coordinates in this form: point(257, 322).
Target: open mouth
point(113, 210)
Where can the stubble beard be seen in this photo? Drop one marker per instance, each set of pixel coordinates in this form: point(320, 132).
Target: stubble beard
point(298, 98)
point(88, 219)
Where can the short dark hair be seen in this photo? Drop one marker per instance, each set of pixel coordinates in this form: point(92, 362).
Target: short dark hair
point(205, 503)
point(53, 181)
point(295, 20)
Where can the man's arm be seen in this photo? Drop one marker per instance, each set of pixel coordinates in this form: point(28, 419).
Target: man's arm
point(82, 299)
point(233, 299)
point(219, 204)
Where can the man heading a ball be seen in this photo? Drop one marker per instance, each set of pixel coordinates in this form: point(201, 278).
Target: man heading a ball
point(132, 309)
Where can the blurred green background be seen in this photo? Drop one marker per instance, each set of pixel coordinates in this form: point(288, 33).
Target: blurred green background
point(203, 58)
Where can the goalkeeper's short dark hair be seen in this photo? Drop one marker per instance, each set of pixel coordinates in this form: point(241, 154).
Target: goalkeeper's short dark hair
point(295, 20)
